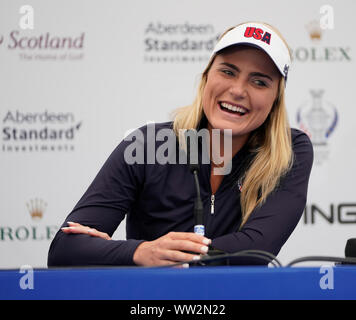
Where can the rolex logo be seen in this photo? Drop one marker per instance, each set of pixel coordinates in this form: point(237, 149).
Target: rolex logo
point(314, 30)
point(36, 208)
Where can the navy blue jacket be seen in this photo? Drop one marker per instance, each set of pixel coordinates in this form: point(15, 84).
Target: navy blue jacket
point(157, 199)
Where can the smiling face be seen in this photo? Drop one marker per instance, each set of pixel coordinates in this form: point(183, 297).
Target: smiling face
point(242, 85)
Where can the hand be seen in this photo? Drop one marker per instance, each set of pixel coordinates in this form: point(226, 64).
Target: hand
point(169, 248)
point(165, 250)
point(78, 228)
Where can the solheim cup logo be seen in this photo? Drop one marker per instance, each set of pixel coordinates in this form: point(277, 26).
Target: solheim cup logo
point(318, 118)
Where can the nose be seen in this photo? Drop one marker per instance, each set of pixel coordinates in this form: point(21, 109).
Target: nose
point(238, 89)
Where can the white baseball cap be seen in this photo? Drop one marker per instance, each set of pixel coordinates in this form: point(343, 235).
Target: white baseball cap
point(260, 36)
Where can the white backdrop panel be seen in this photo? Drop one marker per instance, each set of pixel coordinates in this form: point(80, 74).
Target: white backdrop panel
point(116, 79)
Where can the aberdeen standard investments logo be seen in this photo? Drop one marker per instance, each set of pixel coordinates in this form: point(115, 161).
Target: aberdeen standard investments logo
point(178, 43)
point(38, 131)
point(318, 118)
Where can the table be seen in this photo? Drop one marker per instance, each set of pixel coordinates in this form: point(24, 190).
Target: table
point(195, 283)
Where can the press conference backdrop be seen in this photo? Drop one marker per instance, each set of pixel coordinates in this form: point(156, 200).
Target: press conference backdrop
point(89, 71)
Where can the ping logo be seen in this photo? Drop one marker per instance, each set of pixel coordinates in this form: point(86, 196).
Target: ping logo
point(258, 34)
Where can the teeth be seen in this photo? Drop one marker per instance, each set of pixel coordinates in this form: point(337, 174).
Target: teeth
point(233, 108)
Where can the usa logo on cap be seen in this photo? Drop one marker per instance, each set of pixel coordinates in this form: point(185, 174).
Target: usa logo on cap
point(258, 34)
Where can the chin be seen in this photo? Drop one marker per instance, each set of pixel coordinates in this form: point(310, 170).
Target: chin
point(221, 125)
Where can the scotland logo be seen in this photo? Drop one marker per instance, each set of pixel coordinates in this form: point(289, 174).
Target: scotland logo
point(318, 118)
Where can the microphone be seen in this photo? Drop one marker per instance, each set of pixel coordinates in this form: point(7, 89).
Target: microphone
point(192, 160)
point(199, 228)
point(350, 249)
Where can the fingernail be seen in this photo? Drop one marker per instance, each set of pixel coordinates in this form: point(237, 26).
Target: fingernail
point(206, 241)
point(196, 258)
point(65, 228)
point(204, 249)
point(185, 265)
point(70, 222)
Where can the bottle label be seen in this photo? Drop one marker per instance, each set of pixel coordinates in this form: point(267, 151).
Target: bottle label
point(199, 229)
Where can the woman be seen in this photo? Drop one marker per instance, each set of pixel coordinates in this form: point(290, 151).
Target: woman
point(255, 206)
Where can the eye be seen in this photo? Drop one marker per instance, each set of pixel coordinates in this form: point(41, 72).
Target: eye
point(260, 83)
point(227, 72)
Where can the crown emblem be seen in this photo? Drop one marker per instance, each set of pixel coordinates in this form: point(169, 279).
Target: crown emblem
point(314, 30)
point(36, 208)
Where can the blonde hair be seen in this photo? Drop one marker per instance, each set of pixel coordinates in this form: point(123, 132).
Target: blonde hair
point(270, 143)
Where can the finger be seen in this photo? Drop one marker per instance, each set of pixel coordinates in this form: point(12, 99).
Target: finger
point(178, 256)
point(74, 224)
point(165, 263)
point(95, 233)
point(86, 230)
point(81, 229)
point(189, 236)
point(69, 230)
point(186, 245)
point(183, 265)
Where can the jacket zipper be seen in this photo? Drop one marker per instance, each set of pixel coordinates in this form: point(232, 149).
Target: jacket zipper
point(212, 199)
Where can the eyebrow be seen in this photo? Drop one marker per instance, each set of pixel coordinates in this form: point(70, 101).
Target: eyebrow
point(259, 74)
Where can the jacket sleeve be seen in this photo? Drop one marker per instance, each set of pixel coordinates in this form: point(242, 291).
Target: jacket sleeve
point(103, 206)
point(270, 225)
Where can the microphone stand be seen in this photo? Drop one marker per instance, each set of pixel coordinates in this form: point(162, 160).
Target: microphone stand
point(199, 227)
